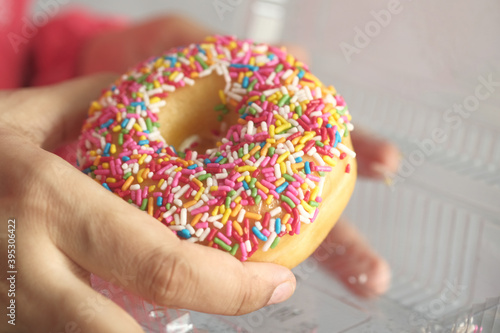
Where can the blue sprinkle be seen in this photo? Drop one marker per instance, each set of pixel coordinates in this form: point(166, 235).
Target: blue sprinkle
point(87, 171)
point(262, 144)
point(143, 142)
point(173, 149)
point(337, 139)
point(250, 67)
point(141, 104)
point(106, 148)
point(301, 74)
point(125, 122)
point(125, 158)
point(308, 168)
point(243, 116)
point(298, 159)
point(329, 126)
point(244, 84)
point(271, 56)
point(106, 186)
point(159, 201)
point(192, 166)
point(184, 233)
point(207, 161)
point(282, 187)
point(245, 185)
point(277, 226)
point(259, 234)
point(106, 124)
point(218, 159)
point(158, 151)
point(201, 50)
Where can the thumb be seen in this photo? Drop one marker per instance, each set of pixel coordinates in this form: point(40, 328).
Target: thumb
point(53, 114)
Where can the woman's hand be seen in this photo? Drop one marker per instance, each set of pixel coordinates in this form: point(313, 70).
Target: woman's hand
point(67, 226)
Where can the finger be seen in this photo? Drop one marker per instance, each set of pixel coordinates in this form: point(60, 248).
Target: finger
point(54, 114)
point(110, 237)
point(378, 158)
point(346, 254)
point(69, 303)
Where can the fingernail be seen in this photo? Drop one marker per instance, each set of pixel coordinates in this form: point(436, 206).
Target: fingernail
point(281, 293)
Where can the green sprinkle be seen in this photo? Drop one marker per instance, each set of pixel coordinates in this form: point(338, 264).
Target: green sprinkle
point(144, 204)
point(222, 244)
point(283, 100)
point(220, 117)
point(257, 155)
point(275, 242)
point(223, 161)
point(252, 182)
point(319, 143)
point(250, 147)
point(181, 154)
point(225, 111)
point(167, 206)
point(234, 249)
point(134, 95)
point(258, 198)
point(252, 84)
point(149, 124)
point(242, 109)
point(288, 177)
point(288, 201)
point(219, 107)
point(278, 68)
point(270, 151)
point(128, 174)
point(321, 173)
point(204, 177)
point(231, 193)
point(346, 132)
point(130, 109)
point(262, 98)
point(240, 152)
point(201, 61)
point(254, 192)
point(252, 110)
point(157, 124)
point(228, 201)
point(120, 139)
point(142, 78)
point(341, 111)
point(218, 153)
point(313, 203)
point(298, 110)
point(129, 201)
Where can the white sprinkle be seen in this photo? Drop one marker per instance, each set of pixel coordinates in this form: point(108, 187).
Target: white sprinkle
point(241, 215)
point(346, 150)
point(199, 232)
point(275, 211)
point(218, 225)
point(248, 245)
point(135, 187)
point(205, 234)
point(277, 171)
point(269, 241)
point(190, 228)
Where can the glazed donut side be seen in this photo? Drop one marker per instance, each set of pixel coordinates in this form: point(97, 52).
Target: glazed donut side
point(135, 162)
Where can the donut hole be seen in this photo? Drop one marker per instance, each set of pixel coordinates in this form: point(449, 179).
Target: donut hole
point(189, 119)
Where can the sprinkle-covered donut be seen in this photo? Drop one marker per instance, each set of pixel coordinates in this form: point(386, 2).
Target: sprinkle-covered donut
point(228, 143)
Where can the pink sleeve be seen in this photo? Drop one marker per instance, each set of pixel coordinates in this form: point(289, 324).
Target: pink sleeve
point(57, 45)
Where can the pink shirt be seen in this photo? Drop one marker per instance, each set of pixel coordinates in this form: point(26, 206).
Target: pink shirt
point(44, 48)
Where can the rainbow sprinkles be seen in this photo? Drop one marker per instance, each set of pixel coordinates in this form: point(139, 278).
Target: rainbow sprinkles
point(266, 175)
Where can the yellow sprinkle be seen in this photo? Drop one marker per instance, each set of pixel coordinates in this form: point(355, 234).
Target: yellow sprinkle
point(222, 209)
point(116, 128)
point(246, 168)
point(143, 157)
point(283, 167)
point(329, 160)
point(308, 136)
point(280, 118)
point(307, 206)
point(271, 131)
point(160, 183)
point(240, 179)
point(156, 84)
point(199, 194)
point(237, 200)
point(178, 169)
point(269, 200)
point(154, 100)
point(283, 128)
point(222, 96)
point(314, 193)
point(283, 157)
point(304, 186)
point(105, 165)
point(110, 180)
point(295, 116)
point(225, 217)
point(152, 188)
point(213, 188)
point(245, 157)
point(137, 127)
point(112, 149)
point(139, 177)
point(127, 183)
point(299, 147)
point(215, 211)
point(173, 75)
point(253, 99)
point(248, 178)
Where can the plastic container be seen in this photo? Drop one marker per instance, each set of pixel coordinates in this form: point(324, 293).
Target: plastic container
point(438, 224)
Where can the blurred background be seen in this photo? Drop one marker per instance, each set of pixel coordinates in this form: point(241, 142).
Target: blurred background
point(407, 69)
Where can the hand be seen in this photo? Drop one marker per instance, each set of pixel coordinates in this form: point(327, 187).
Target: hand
point(68, 226)
point(345, 252)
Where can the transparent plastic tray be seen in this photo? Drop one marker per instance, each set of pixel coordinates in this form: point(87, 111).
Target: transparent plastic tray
point(438, 224)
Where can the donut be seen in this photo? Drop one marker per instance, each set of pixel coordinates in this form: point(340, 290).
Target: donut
point(230, 144)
